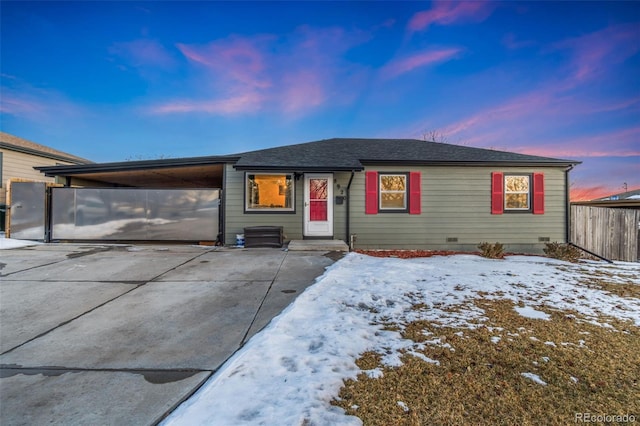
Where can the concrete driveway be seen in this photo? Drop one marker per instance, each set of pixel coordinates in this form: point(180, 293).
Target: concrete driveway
point(108, 334)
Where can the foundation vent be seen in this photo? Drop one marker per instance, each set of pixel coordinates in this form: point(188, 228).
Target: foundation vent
point(452, 239)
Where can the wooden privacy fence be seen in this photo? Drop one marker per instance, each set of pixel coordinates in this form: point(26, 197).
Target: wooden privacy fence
point(610, 232)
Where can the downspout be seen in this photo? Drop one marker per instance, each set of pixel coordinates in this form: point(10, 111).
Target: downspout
point(567, 224)
point(348, 221)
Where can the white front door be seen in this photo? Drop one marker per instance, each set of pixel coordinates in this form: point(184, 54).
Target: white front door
point(318, 205)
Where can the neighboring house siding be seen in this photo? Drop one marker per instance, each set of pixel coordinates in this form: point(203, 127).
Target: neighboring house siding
point(20, 165)
point(456, 203)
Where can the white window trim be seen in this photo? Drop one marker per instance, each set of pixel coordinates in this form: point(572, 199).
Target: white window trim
point(506, 192)
point(405, 192)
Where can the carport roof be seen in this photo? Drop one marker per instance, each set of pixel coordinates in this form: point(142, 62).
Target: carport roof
point(193, 172)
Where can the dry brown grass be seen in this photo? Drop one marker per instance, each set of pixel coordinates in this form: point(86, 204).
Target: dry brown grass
point(587, 368)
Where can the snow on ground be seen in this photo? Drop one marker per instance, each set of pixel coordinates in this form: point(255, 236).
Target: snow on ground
point(10, 243)
point(289, 373)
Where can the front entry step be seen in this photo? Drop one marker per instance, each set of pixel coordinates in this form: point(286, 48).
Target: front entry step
point(318, 245)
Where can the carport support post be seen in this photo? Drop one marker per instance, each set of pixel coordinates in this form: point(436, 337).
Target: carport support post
point(47, 214)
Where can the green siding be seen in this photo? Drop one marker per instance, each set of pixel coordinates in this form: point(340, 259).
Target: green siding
point(456, 203)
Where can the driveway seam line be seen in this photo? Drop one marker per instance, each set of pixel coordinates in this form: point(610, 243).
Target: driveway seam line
point(177, 266)
point(253, 320)
point(135, 286)
point(71, 319)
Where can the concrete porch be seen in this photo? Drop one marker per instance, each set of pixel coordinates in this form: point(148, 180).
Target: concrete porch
point(318, 245)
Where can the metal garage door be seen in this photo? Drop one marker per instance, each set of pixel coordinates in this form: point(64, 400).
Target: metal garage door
point(124, 214)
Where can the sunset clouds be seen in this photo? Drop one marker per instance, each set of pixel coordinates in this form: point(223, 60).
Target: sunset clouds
point(555, 79)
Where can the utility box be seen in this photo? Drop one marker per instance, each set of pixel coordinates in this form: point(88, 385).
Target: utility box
point(263, 236)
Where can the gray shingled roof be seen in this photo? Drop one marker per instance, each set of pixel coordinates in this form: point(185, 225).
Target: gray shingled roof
point(353, 154)
point(12, 142)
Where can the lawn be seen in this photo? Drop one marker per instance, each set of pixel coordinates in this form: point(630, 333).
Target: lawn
point(440, 340)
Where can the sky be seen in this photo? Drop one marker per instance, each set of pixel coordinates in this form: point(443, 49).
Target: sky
point(115, 81)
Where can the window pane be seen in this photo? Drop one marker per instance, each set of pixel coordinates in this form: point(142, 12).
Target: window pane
point(393, 182)
point(392, 200)
point(318, 189)
point(517, 201)
point(269, 191)
point(517, 183)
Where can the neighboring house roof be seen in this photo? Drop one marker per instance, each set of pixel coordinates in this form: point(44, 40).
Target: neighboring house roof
point(354, 154)
point(628, 195)
point(628, 199)
point(15, 143)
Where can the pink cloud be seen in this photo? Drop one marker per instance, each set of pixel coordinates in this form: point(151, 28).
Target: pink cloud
point(532, 103)
point(237, 60)
point(21, 99)
point(16, 106)
point(450, 12)
point(596, 53)
point(243, 103)
point(403, 65)
point(302, 90)
point(291, 74)
point(618, 143)
point(143, 53)
point(587, 193)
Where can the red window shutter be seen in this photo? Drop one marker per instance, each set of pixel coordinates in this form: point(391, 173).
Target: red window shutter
point(371, 193)
point(414, 193)
point(538, 193)
point(497, 193)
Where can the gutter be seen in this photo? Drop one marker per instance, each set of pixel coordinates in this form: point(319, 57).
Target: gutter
point(348, 221)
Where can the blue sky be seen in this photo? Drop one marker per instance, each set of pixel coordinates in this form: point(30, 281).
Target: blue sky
point(111, 81)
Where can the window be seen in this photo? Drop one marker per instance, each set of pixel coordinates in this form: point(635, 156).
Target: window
point(516, 192)
point(266, 192)
point(393, 192)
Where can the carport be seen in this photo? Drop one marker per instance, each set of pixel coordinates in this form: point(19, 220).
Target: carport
point(150, 200)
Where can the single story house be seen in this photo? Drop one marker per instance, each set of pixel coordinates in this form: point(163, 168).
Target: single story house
point(18, 157)
point(373, 193)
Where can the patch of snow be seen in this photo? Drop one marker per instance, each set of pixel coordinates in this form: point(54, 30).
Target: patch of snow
point(11, 243)
point(424, 357)
point(291, 371)
point(551, 344)
point(574, 379)
point(375, 373)
point(535, 378)
point(404, 406)
point(529, 312)
point(495, 339)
